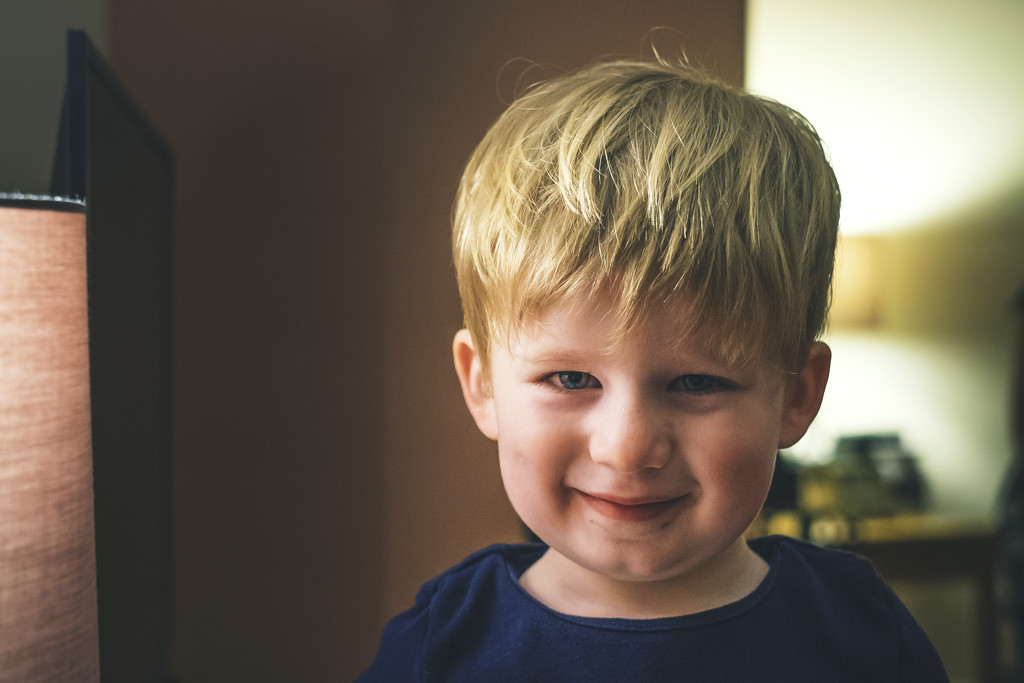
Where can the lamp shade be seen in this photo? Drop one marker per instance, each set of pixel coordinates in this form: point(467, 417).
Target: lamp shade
point(48, 614)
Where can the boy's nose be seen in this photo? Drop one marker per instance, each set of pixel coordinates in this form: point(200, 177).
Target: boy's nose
point(631, 437)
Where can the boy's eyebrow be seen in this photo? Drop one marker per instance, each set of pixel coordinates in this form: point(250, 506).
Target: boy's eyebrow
point(582, 356)
point(560, 355)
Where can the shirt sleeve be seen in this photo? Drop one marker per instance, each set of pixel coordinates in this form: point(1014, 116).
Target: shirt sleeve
point(400, 654)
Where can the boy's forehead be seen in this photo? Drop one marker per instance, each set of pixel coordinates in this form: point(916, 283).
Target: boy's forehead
point(599, 326)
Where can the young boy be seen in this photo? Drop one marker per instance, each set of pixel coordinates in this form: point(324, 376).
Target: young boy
point(645, 257)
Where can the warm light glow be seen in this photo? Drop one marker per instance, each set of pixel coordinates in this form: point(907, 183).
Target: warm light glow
point(48, 613)
point(920, 102)
point(856, 300)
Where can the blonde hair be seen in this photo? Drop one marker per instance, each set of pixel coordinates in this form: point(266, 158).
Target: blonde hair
point(652, 183)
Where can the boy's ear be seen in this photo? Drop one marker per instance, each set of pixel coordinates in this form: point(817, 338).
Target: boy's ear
point(475, 388)
point(804, 393)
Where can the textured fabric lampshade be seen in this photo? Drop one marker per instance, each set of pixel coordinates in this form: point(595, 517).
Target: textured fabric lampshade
point(48, 617)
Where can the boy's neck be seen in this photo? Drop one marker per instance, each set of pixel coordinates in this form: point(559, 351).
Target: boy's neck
point(569, 588)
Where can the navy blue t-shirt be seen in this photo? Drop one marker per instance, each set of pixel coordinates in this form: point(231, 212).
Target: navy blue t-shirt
point(819, 615)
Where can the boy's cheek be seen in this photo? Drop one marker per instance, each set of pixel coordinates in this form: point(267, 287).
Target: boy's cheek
point(740, 466)
point(526, 450)
point(533, 483)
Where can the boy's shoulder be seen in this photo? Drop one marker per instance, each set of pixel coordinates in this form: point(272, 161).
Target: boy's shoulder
point(791, 561)
point(818, 582)
point(460, 601)
point(815, 582)
point(819, 575)
point(480, 571)
point(810, 556)
point(815, 617)
point(783, 553)
point(498, 554)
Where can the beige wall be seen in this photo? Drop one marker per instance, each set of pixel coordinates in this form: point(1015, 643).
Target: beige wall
point(325, 465)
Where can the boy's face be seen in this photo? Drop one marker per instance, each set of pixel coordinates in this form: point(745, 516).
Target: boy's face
point(642, 461)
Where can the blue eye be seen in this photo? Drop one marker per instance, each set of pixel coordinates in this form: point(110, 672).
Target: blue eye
point(696, 384)
point(574, 380)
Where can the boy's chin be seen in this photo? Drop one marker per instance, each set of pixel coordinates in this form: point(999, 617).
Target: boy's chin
point(643, 563)
point(632, 566)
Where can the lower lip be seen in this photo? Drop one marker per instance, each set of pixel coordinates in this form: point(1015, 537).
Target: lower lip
point(644, 512)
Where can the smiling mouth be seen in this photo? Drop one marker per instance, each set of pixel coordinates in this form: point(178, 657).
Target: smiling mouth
point(632, 511)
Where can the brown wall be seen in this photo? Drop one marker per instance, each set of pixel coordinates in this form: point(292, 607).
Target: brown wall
point(324, 463)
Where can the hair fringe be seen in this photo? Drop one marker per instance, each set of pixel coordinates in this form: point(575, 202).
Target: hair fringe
point(650, 184)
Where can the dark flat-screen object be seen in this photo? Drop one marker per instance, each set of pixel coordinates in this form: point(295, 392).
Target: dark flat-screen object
point(108, 154)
